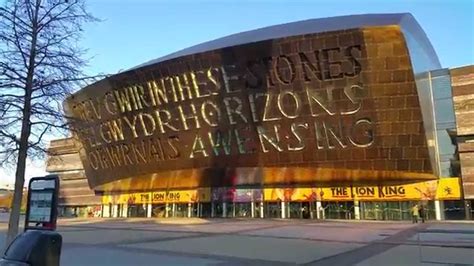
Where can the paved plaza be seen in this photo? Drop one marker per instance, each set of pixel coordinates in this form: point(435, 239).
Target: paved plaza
point(263, 242)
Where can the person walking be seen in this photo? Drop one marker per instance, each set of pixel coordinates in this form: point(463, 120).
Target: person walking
point(421, 212)
point(415, 212)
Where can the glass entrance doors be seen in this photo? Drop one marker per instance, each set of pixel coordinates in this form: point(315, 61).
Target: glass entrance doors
point(205, 210)
point(338, 210)
point(273, 209)
point(294, 210)
point(180, 210)
point(193, 209)
point(243, 209)
point(158, 210)
point(229, 209)
point(137, 210)
point(217, 209)
point(394, 210)
point(300, 210)
point(234, 209)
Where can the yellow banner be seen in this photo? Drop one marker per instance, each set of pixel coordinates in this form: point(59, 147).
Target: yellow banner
point(449, 189)
point(290, 194)
point(139, 198)
point(115, 199)
point(158, 197)
point(187, 196)
point(441, 189)
point(183, 196)
point(131, 198)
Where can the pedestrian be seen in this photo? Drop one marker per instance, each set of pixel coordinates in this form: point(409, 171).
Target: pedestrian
point(415, 212)
point(421, 212)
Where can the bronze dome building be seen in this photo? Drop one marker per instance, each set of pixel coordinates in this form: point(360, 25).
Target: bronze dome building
point(344, 117)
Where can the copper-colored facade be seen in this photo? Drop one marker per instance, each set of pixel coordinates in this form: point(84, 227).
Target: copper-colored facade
point(462, 81)
point(337, 101)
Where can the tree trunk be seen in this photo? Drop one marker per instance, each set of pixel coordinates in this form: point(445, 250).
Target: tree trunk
point(14, 219)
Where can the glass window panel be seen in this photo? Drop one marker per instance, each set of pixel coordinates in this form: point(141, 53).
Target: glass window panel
point(444, 110)
point(243, 209)
point(295, 210)
point(181, 210)
point(206, 209)
point(445, 145)
point(445, 168)
point(273, 209)
point(158, 210)
point(218, 209)
point(229, 209)
point(441, 86)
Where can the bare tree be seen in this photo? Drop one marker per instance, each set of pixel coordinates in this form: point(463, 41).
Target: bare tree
point(40, 64)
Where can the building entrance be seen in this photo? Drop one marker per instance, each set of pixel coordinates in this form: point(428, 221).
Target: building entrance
point(299, 210)
point(180, 210)
point(218, 209)
point(243, 209)
point(158, 210)
point(273, 209)
point(205, 211)
point(394, 210)
point(338, 210)
point(229, 209)
point(136, 210)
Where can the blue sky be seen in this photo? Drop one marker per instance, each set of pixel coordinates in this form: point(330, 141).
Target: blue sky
point(135, 31)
